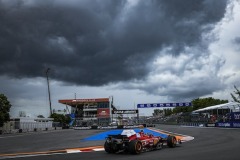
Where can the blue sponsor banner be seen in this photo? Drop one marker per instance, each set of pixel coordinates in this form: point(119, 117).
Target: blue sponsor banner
point(235, 116)
point(228, 124)
point(235, 124)
point(224, 124)
point(153, 105)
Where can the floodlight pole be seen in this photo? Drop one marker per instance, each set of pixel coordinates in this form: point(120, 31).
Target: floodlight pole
point(110, 108)
point(49, 95)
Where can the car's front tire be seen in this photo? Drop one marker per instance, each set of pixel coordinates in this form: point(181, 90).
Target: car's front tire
point(158, 146)
point(171, 141)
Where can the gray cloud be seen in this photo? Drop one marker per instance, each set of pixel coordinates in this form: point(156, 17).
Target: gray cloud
point(94, 42)
point(237, 40)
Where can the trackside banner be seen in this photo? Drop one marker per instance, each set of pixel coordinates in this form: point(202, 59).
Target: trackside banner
point(228, 124)
point(153, 105)
point(235, 116)
point(135, 111)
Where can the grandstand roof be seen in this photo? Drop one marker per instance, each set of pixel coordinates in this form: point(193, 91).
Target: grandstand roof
point(230, 105)
point(74, 102)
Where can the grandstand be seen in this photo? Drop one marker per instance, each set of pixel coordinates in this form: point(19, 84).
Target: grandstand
point(90, 111)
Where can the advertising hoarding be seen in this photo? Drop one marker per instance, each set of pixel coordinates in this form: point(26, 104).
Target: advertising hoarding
point(135, 111)
point(153, 105)
point(235, 116)
point(103, 113)
point(228, 124)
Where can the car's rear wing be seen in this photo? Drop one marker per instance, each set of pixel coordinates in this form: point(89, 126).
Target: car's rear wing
point(118, 136)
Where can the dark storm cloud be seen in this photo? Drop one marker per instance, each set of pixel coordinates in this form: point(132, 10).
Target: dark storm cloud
point(237, 40)
point(98, 42)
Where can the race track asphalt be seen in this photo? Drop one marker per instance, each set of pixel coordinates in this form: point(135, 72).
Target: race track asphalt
point(208, 144)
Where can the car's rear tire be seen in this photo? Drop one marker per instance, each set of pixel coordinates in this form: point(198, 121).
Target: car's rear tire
point(171, 141)
point(108, 147)
point(114, 147)
point(135, 147)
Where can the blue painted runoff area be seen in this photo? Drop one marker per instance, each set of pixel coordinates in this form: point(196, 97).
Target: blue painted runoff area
point(103, 135)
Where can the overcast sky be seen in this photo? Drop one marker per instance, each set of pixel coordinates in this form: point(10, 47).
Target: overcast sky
point(138, 51)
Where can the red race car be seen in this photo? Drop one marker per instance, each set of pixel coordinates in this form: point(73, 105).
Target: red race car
point(136, 143)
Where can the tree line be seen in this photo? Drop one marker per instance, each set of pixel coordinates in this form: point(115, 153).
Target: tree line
point(196, 104)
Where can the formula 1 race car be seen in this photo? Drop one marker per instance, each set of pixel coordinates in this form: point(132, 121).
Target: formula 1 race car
point(135, 143)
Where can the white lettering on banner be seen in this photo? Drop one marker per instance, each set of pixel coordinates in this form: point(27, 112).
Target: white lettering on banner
point(211, 125)
point(125, 112)
point(116, 112)
point(236, 116)
point(150, 105)
point(84, 100)
point(224, 124)
point(237, 125)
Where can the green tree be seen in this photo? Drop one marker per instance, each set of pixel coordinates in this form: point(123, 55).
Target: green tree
point(40, 116)
point(157, 112)
point(206, 102)
point(237, 92)
point(63, 119)
point(4, 109)
point(168, 112)
point(182, 109)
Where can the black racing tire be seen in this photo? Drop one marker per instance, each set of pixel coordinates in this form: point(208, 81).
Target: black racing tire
point(158, 146)
point(108, 147)
point(171, 141)
point(135, 147)
point(114, 147)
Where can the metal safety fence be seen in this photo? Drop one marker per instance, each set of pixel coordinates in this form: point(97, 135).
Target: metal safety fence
point(19, 127)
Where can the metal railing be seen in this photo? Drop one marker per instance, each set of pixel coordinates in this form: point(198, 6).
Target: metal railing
point(14, 127)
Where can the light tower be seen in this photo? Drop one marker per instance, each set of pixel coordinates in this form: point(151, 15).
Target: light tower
point(49, 94)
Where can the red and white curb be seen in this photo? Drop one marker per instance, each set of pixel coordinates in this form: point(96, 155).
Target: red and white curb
point(64, 151)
